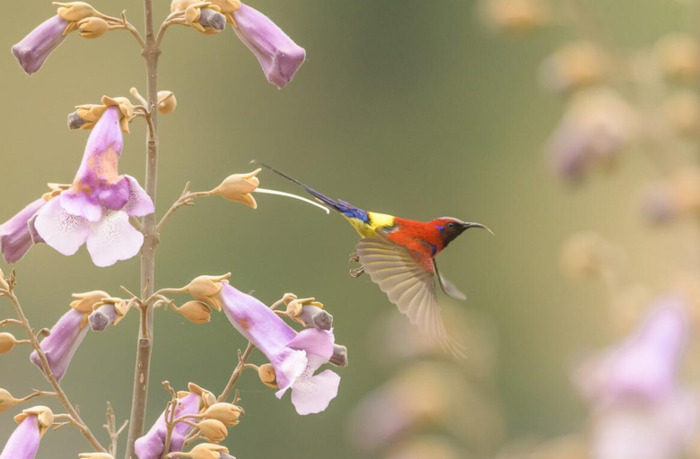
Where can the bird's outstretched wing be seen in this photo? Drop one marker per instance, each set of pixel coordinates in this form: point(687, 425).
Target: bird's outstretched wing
point(408, 285)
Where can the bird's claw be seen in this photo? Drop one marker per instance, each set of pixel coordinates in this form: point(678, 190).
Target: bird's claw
point(354, 257)
point(357, 272)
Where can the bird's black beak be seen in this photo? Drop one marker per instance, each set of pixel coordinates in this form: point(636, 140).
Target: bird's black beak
point(468, 225)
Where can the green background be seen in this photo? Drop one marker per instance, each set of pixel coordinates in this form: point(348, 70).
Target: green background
point(411, 108)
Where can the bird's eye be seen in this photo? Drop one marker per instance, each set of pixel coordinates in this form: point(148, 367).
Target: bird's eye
point(451, 225)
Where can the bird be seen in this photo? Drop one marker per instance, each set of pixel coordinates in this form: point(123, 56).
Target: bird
point(399, 255)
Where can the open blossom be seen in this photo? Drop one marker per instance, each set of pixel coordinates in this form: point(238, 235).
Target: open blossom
point(32, 50)
point(294, 356)
point(279, 56)
point(24, 441)
point(151, 445)
point(65, 338)
point(16, 236)
point(96, 208)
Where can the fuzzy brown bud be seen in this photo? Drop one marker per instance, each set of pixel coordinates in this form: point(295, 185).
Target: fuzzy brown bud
point(195, 311)
point(75, 11)
point(7, 401)
point(340, 356)
point(75, 121)
point(206, 289)
point(267, 375)
point(238, 188)
point(85, 302)
point(166, 102)
point(92, 27)
point(213, 430)
point(228, 413)
point(208, 451)
point(44, 417)
point(7, 342)
point(211, 20)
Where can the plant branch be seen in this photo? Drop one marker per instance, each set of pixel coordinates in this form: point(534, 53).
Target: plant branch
point(186, 199)
point(242, 358)
point(48, 373)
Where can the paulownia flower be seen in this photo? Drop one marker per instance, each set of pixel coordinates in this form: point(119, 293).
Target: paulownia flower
point(34, 49)
point(65, 338)
point(24, 441)
point(96, 208)
point(294, 356)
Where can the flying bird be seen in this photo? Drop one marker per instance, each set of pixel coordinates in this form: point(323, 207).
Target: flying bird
point(399, 254)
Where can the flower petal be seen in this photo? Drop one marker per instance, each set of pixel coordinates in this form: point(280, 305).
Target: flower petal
point(15, 234)
point(113, 239)
point(312, 395)
point(139, 203)
point(60, 346)
point(61, 230)
point(316, 342)
point(24, 441)
point(32, 50)
point(81, 204)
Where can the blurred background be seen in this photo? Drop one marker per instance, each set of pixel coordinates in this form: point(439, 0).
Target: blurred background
point(418, 109)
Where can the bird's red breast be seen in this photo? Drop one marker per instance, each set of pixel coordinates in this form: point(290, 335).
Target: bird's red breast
point(423, 240)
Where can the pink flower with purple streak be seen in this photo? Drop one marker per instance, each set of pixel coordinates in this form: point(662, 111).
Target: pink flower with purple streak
point(295, 356)
point(34, 49)
point(97, 206)
point(60, 346)
point(152, 444)
point(278, 55)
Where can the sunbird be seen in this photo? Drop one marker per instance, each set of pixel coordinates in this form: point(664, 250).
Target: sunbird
point(399, 256)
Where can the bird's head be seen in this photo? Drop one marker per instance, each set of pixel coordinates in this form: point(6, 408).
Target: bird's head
point(450, 228)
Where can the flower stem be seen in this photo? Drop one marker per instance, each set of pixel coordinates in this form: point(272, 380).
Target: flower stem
point(150, 53)
point(242, 358)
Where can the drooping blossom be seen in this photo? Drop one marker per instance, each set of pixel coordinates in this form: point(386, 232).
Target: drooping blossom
point(294, 356)
point(278, 55)
point(152, 444)
point(65, 338)
point(96, 208)
point(643, 367)
point(16, 233)
point(24, 441)
point(34, 49)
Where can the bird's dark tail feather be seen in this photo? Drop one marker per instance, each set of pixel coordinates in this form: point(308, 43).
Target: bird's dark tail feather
point(323, 199)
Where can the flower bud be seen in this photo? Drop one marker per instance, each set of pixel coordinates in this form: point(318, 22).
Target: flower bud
point(227, 6)
point(237, 188)
point(7, 342)
point(75, 121)
point(515, 15)
point(317, 317)
point(213, 430)
point(683, 111)
point(207, 288)
point(125, 107)
point(581, 255)
point(182, 5)
point(228, 413)
point(340, 356)
point(208, 451)
point(92, 27)
point(574, 66)
point(195, 311)
point(166, 102)
point(103, 316)
point(212, 21)
point(75, 11)
point(267, 375)
point(6, 400)
point(208, 399)
point(44, 417)
point(85, 302)
point(679, 56)
point(95, 456)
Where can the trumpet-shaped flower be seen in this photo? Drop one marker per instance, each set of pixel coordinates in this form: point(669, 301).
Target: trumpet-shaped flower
point(34, 49)
point(16, 236)
point(24, 441)
point(152, 444)
point(294, 356)
point(65, 338)
point(96, 208)
point(278, 55)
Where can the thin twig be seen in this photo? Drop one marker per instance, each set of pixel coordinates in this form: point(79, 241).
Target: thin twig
point(186, 199)
point(123, 24)
point(242, 358)
point(48, 373)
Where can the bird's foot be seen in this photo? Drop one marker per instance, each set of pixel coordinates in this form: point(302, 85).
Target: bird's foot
point(354, 257)
point(357, 272)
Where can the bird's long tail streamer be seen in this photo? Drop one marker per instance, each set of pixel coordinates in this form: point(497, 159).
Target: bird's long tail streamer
point(293, 196)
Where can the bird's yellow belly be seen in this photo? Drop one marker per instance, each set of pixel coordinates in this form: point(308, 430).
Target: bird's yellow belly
point(377, 222)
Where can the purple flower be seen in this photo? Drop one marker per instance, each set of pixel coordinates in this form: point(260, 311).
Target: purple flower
point(97, 206)
point(24, 441)
point(643, 368)
point(16, 235)
point(279, 56)
point(32, 50)
point(294, 356)
point(151, 445)
point(60, 346)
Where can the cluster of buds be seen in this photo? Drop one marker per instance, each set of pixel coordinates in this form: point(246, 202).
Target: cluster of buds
point(206, 17)
point(192, 414)
point(86, 116)
point(307, 312)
